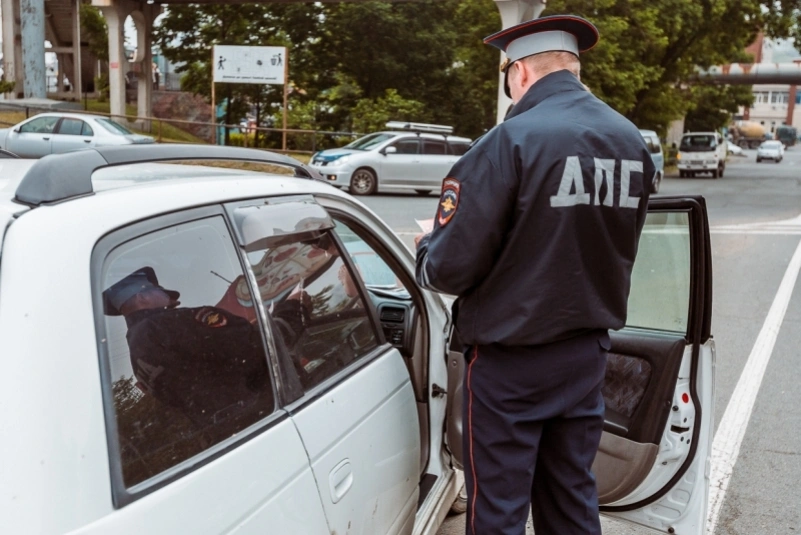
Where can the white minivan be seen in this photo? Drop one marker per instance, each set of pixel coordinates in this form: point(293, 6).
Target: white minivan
point(702, 152)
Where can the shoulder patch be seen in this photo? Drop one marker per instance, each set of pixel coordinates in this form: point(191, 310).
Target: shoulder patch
point(211, 317)
point(449, 200)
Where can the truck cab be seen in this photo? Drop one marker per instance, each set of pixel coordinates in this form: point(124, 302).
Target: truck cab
point(702, 152)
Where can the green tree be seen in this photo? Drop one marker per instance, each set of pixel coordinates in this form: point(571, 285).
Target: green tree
point(713, 106)
point(649, 51)
point(373, 114)
point(95, 30)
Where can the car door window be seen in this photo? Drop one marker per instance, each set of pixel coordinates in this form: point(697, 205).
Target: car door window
point(40, 125)
point(407, 146)
point(433, 146)
point(70, 127)
point(660, 281)
point(458, 148)
point(187, 370)
point(86, 130)
point(315, 301)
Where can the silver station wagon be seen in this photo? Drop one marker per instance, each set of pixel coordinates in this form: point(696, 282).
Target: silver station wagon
point(408, 156)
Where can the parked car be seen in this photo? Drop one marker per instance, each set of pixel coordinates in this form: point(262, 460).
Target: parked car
point(53, 133)
point(192, 349)
point(655, 148)
point(702, 152)
point(770, 150)
point(735, 150)
point(413, 156)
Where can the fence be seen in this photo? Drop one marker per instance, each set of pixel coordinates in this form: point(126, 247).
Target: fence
point(180, 131)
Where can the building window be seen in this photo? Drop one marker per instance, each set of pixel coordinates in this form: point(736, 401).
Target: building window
point(779, 97)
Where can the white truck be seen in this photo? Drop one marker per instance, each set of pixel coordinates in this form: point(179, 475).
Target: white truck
point(702, 152)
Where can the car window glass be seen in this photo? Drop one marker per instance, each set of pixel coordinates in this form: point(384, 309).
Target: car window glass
point(433, 146)
point(40, 125)
point(660, 280)
point(70, 127)
point(407, 146)
point(112, 127)
point(369, 142)
point(87, 130)
point(458, 147)
point(374, 271)
point(187, 370)
point(653, 145)
point(697, 143)
point(315, 303)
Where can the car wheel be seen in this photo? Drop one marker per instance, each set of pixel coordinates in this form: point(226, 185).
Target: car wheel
point(682, 174)
point(715, 173)
point(422, 191)
point(759, 159)
point(720, 171)
point(363, 182)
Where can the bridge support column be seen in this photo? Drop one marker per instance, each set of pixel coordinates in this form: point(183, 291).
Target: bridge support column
point(115, 13)
point(514, 12)
point(32, 25)
point(143, 18)
point(12, 49)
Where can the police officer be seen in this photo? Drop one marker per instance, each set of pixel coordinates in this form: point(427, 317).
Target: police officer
point(205, 361)
point(536, 233)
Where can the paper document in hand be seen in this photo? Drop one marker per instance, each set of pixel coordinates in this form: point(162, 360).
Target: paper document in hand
point(426, 225)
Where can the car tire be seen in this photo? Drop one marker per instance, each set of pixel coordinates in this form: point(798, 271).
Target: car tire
point(363, 182)
point(422, 191)
point(759, 160)
point(682, 174)
point(715, 173)
point(720, 171)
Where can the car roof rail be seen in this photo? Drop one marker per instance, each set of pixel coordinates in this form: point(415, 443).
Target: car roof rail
point(59, 177)
point(420, 127)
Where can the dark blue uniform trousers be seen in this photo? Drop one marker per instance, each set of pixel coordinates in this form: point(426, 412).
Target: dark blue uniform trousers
point(533, 418)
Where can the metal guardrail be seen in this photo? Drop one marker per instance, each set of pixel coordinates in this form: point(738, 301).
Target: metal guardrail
point(156, 123)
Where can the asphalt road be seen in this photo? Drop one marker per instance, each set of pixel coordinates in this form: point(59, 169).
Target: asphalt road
point(752, 212)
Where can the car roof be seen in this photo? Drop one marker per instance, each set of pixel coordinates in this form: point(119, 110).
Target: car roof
point(67, 114)
point(429, 135)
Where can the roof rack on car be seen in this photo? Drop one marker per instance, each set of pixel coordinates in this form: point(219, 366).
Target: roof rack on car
point(59, 177)
point(420, 127)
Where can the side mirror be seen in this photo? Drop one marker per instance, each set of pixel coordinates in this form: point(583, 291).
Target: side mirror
point(16, 129)
point(390, 150)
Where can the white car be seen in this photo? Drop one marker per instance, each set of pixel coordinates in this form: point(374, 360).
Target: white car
point(54, 133)
point(702, 152)
point(294, 379)
point(735, 150)
point(770, 150)
point(413, 156)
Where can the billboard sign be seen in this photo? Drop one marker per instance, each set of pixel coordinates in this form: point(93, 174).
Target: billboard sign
point(249, 64)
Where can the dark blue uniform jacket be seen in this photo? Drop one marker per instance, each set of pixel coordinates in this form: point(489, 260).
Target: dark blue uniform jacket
point(538, 223)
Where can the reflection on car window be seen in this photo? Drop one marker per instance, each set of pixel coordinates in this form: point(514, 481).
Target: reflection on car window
point(314, 301)
point(372, 268)
point(70, 127)
point(660, 281)
point(187, 372)
point(40, 125)
point(369, 142)
point(407, 146)
point(111, 126)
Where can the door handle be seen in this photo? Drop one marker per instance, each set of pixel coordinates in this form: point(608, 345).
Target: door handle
point(340, 480)
point(46, 138)
point(87, 140)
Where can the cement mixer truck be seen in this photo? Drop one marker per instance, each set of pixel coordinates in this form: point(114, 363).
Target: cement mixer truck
point(747, 134)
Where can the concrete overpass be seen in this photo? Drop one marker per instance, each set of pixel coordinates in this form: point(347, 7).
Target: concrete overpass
point(58, 22)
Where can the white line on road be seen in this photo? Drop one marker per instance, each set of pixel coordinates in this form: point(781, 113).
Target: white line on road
point(729, 436)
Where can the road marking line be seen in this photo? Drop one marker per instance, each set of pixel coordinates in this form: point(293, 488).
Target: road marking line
point(730, 433)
